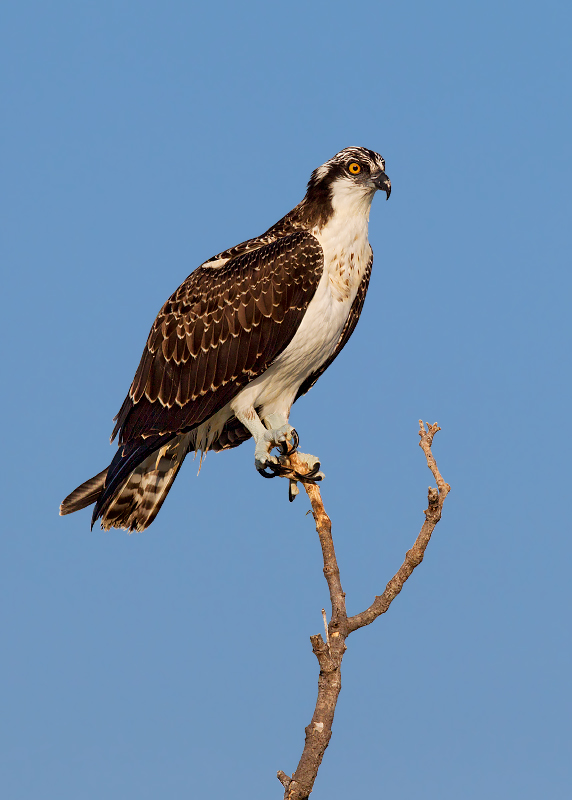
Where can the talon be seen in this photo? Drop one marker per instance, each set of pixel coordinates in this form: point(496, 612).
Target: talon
point(310, 477)
point(267, 474)
point(286, 451)
point(283, 445)
point(286, 441)
point(277, 468)
point(295, 439)
point(262, 471)
point(313, 475)
point(314, 471)
point(266, 465)
point(294, 445)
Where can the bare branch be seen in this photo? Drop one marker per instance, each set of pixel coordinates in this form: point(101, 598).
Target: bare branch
point(330, 653)
point(413, 557)
point(324, 529)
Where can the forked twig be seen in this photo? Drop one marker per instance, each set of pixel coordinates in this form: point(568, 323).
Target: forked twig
point(331, 652)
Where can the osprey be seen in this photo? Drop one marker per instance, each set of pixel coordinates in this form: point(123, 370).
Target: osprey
point(243, 337)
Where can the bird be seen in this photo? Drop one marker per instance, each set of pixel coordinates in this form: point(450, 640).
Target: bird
point(243, 337)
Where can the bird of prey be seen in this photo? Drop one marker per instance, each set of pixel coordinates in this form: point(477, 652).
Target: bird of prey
point(241, 339)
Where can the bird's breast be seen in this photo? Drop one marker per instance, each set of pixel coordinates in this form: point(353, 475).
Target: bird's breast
point(346, 256)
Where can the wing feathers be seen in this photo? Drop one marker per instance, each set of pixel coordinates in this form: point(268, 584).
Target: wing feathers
point(208, 371)
point(218, 331)
point(264, 299)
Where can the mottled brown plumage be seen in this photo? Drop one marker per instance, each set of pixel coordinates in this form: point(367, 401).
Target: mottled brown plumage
point(221, 329)
point(224, 327)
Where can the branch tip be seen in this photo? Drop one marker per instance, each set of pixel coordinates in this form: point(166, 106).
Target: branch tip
point(283, 778)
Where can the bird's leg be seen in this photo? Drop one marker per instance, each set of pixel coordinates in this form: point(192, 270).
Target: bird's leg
point(276, 432)
point(288, 441)
point(264, 440)
point(282, 432)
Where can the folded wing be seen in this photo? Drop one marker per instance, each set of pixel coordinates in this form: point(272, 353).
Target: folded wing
point(222, 328)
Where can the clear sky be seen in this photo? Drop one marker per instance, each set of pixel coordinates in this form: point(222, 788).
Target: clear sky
point(140, 138)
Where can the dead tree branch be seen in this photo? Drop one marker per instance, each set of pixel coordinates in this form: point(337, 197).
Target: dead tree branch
point(330, 653)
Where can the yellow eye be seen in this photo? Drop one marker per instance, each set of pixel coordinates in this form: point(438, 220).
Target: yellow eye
point(354, 168)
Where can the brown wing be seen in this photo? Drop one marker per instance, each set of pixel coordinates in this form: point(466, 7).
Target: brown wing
point(349, 328)
point(291, 223)
point(222, 328)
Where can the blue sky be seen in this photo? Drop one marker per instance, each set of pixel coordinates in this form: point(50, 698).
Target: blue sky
point(141, 138)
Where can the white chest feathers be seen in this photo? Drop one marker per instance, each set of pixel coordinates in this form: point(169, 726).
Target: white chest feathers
point(346, 250)
point(346, 255)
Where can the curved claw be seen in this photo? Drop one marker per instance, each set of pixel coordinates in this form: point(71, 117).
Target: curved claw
point(286, 449)
point(315, 469)
point(277, 470)
point(295, 439)
point(314, 476)
point(262, 471)
point(286, 471)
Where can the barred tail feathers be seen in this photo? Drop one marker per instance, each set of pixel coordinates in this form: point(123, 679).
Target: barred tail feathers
point(130, 492)
point(137, 500)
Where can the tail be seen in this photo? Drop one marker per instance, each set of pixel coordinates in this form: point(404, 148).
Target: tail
point(84, 495)
point(130, 492)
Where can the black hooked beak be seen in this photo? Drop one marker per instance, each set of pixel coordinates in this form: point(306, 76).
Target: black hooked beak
point(381, 181)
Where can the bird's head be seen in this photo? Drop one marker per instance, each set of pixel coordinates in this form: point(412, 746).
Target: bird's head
point(349, 179)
